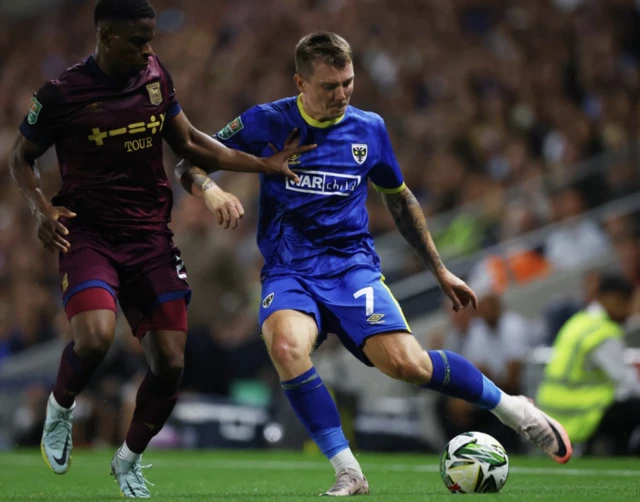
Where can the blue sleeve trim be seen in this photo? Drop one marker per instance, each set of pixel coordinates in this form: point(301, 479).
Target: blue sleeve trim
point(94, 283)
point(35, 137)
point(174, 295)
point(173, 109)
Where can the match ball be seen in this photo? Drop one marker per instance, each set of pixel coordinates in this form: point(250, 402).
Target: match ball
point(474, 462)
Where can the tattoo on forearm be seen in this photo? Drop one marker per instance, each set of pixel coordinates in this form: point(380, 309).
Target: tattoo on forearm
point(195, 177)
point(410, 220)
point(204, 184)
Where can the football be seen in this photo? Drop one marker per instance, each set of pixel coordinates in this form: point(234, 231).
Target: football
point(474, 462)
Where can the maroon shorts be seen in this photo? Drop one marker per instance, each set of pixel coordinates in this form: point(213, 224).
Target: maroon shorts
point(140, 273)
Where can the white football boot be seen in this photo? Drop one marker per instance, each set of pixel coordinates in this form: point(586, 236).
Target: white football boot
point(56, 443)
point(348, 482)
point(133, 485)
point(542, 430)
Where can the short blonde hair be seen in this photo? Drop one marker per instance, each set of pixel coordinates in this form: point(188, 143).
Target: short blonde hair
point(321, 47)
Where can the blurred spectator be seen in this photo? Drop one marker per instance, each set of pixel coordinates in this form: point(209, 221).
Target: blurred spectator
point(628, 250)
point(454, 335)
point(496, 341)
point(560, 311)
point(228, 352)
point(622, 179)
point(517, 266)
point(29, 418)
point(587, 386)
point(573, 244)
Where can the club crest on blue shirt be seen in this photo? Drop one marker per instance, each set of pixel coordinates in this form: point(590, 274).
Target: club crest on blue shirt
point(267, 300)
point(359, 152)
point(155, 96)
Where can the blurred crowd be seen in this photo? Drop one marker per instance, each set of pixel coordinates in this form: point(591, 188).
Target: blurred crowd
point(491, 104)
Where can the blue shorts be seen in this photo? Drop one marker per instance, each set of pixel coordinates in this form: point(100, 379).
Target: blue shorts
point(354, 306)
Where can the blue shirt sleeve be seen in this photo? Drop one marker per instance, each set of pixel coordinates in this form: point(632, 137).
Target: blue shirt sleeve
point(248, 133)
point(385, 174)
point(46, 118)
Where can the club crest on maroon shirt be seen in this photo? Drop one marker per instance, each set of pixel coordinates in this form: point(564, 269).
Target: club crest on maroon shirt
point(155, 96)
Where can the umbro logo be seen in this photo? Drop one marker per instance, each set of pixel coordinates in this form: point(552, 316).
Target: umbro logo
point(375, 319)
point(295, 159)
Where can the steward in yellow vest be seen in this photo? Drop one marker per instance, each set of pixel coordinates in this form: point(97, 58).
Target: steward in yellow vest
point(586, 372)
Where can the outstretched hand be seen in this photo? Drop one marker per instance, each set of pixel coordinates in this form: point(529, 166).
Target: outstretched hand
point(278, 163)
point(457, 290)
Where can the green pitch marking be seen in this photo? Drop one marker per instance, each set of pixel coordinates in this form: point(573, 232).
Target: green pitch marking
point(236, 476)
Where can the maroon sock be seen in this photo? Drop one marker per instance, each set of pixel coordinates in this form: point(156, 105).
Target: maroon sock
point(73, 375)
point(154, 403)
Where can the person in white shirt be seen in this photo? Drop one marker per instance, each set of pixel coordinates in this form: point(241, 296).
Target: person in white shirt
point(496, 341)
point(574, 243)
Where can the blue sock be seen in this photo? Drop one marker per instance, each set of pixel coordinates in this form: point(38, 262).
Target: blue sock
point(454, 376)
point(317, 411)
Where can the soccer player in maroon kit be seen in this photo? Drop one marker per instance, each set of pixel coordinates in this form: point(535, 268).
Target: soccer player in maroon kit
point(107, 117)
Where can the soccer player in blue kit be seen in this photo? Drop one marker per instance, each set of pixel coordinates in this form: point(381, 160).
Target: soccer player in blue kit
point(322, 274)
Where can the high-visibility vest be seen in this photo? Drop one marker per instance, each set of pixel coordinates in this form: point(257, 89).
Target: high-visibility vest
point(573, 391)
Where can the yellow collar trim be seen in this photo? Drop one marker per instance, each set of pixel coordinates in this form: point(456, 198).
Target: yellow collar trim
point(314, 122)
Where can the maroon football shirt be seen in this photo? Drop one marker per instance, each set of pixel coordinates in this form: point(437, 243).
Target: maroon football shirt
point(108, 139)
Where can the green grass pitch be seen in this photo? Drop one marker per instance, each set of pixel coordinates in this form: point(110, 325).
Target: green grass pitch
point(281, 476)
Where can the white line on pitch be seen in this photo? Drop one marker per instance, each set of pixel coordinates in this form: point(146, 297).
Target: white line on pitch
point(268, 465)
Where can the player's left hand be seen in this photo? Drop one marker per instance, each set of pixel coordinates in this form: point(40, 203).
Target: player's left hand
point(278, 163)
point(457, 291)
point(224, 205)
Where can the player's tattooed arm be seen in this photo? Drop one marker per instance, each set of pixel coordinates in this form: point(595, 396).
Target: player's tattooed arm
point(409, 218)
point(193, 179)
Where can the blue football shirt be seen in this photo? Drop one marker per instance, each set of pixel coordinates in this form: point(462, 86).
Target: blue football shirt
point(319, 226)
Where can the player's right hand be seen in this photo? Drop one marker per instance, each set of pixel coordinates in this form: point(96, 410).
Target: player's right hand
point(224, 205)
point(457, 290)
point(50, 230)
point(278, 163)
